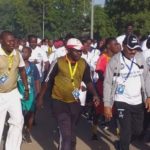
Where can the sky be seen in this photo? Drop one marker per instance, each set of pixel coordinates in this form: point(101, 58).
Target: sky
point(99, 2)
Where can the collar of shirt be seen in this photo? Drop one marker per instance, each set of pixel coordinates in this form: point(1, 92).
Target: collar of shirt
point(2, 52)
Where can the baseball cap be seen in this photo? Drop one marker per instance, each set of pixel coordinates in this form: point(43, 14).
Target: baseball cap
point(131, 42)
point(74, 43)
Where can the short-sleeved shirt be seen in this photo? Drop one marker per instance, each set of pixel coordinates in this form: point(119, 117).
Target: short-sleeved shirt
point(39, 55)
point(8, 77)
point(32, 76)
point(21, 62)
point(57, 52)
point(102, 62)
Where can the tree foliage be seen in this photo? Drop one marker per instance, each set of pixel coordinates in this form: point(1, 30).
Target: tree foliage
point(18, 17)
point(103, 24)
point(25, 17)
point(135, 11)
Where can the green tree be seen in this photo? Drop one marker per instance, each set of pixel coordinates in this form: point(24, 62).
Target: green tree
point(25, 17)
point(6, 17)
point(123, 11)
point(67, 16)
point(19, 17)
point(102, 23)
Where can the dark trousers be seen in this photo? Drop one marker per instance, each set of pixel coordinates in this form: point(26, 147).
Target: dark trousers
point(131, 122)
point(67, 116)
point(146, 120)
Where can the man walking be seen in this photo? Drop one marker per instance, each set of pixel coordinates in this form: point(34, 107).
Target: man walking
point(10, 62)
point(64, 80)
point(127, 85)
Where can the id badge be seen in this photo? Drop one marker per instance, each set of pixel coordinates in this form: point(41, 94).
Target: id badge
point(3, 78)
point(120, 89)
point(76, 94)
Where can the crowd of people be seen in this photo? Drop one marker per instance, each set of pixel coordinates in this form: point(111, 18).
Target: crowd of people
point(104, 79)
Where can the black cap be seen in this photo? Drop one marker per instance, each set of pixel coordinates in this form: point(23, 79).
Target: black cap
point(131, 42)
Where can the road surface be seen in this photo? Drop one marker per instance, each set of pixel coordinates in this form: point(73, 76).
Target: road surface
point(45, 135)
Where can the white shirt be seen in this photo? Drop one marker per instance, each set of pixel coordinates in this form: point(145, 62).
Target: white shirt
point(21, 61)
point(120, 39)
point(95, 55)
point(94, 45)
point(57, 53)
point(132, 86)
point(44, 48)
point(91, 58)
point(87, 57)
point(143, 45)
point(41, 57)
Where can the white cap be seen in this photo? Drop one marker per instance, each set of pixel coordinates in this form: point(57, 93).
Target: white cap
point(74, 43)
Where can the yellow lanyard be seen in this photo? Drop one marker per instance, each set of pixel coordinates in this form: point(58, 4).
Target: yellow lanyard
point(49, 50)
point(72, 71)
point(10, 61)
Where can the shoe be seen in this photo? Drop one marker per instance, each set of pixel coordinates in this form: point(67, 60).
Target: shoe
point(28, 140)
point(27, 137)
point(94, 137)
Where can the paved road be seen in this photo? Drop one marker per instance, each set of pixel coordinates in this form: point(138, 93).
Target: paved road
point(45, 136)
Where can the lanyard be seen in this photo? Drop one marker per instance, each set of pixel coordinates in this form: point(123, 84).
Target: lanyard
point(10, 61)
point(28, 69)
point(72, 71)
point(49, 50)
point(129, 68)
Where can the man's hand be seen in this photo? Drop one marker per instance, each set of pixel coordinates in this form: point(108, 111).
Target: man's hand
point(96, 101)
point(26, 94)
point(108, 113)
point(147, 104)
